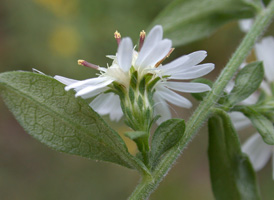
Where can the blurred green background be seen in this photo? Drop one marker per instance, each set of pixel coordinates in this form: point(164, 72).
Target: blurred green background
point(51, 35)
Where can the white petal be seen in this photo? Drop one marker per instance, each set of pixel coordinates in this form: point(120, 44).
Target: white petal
point(173, 97)
point(175, 63)
point(195, 58)
point(161, 108)
point(154, 36)
point(94, 93)
point(91, 88)
point(101, 103)
point(116, 111)
point(252, 99)
point(124, 54)
point(229, 86)
point(194, 68)
point(106, 104)
point(185, 62)
point(64, 80)
point(188, 87)
point(265, 52)
point(37, 71)
point(193, 72)
point(258, 152)
point(239, 120)
point(91, 81)
point(245, 24)
point(158, 52)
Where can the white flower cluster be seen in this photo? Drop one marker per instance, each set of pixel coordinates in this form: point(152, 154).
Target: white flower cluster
point(154, 49)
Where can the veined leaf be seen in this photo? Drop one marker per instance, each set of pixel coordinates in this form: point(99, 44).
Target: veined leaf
point(231, 172)
point(61, 121)
point(165, 137)
point(247, 82)
point(185, 21)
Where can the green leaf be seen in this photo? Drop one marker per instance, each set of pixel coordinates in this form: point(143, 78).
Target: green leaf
point(200, 96)
point(247, 82)
point(135, 134)
point(231, 172)
point(185, 21)
point(61, 121)
point(263, 125)
point(165, 137)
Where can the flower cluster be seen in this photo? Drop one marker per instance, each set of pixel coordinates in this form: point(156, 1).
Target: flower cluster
point(137, 84)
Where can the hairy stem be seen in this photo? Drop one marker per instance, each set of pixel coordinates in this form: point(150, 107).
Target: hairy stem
point(201, 114)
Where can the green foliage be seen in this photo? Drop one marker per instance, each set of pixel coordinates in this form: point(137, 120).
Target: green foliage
point(185, 21)
point(231, 172)
point(263, 125)
point(135, 134)
point(200, 96)
point(61, 121)
point(272, 88)
point(247, 82)
point(165, 137)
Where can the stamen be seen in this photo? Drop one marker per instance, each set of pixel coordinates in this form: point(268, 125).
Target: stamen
point(168, 54)
point(142, 39)
point(87, 64)
point(117, 36)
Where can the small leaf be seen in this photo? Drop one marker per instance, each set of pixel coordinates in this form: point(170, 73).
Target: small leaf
point(61, 121)
point(231, 172)
point(200, 96)
point(185, 21)
point(165, 137)
point(263, 125)
point(135, 134)
point(247, 82)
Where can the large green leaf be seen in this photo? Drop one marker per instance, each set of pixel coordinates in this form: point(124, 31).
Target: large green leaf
point(247, 82)
point(231, 172)
point(61, 121)
point(165, 137)
point(185, 21)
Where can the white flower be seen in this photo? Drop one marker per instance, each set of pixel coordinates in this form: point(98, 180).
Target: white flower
point(154, 49)
point(258, 151)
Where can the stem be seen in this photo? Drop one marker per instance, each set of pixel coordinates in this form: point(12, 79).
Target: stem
point(147, 186)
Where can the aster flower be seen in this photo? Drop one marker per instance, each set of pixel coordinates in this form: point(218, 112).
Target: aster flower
point(258, 151)
point(139, 82)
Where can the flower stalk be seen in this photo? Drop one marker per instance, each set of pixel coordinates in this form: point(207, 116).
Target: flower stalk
point(201, 114)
